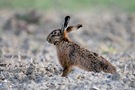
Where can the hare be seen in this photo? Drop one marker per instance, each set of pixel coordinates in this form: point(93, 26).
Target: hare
point(71, 54)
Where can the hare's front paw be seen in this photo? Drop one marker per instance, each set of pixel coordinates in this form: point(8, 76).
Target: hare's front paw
point(66, 71)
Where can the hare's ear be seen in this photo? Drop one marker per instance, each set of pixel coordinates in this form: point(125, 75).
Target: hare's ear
point(70, 28)
point(64, 26)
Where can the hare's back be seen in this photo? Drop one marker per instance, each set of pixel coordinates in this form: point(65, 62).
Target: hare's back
point(91, 61)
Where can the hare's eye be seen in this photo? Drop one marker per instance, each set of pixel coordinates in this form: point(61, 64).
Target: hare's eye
point(54, 32)
point(52, 35)
point(58, 33)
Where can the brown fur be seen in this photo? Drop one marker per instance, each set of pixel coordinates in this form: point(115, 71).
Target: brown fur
point(70, 54)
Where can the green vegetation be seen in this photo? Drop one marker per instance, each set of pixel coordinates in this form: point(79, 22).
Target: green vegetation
point(125, 5)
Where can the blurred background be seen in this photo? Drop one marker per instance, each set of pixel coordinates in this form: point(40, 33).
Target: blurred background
point(109, 20)
point(108, 29)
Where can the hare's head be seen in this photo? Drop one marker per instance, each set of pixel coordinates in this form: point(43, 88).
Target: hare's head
point(61, 34)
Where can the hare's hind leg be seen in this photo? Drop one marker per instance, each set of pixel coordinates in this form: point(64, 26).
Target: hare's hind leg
point(66, 70)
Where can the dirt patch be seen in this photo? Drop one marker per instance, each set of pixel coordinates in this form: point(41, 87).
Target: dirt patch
point(28, 62)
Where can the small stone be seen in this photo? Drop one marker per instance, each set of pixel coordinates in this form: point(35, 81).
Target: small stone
point(93, 89)
point(81, 77)
point(109, 76)
point(132, 84)
point(115, 76)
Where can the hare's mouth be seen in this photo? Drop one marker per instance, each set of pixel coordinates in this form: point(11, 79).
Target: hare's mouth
point(55, 43)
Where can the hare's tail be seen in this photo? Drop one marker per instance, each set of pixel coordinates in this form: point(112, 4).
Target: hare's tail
point(106, 66)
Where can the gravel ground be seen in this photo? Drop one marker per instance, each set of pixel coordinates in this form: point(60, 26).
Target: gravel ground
point(28, 62)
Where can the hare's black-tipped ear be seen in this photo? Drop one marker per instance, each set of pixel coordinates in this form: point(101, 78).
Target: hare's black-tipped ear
point(64, 26)
point(70, 28)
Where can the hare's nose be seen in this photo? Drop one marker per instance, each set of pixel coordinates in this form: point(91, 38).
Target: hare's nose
point(48, 39)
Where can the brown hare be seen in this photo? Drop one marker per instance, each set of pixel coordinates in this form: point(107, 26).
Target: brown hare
point(71, 54)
